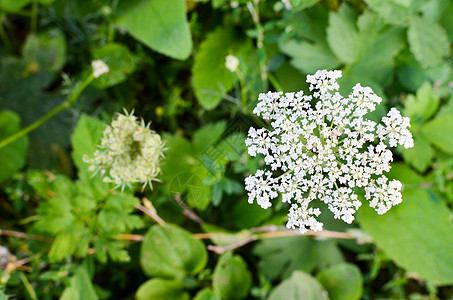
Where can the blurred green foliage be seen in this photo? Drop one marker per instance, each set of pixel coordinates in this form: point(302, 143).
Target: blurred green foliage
point(68, 235)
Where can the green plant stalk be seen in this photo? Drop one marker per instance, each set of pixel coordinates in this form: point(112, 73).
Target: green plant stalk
point(4, 36)
point(68, 103)
point(31, 292)
point(34, 15)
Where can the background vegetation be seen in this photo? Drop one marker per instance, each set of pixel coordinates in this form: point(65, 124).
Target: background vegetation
point(65, 234)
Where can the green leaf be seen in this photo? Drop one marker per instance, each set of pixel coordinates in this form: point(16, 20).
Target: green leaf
point(342, 282)
point(3, 296)
point(12, 156)
point(439, 131)
point(421, 155)
point(13, 5)
point(66, 243)
point(299, 286)
point(159, 289)
point(231, 278)
point(211, 79)
point(278, 257)
point(395, 11)
point(80, 287)
point(47, 50)
point(206, 294)
point(423, 105)
point(428, 41)
point(121, 63)
point(171, 252)
point(309, 57)
point(207, 136)
point(342, 35)
point(167, 30)
point(302, 4)
point(417, 234)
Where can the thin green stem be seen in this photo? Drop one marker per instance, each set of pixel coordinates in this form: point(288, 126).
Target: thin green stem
point(275, 82)
point(242, 88)
point(4, 35)
point(68, 103)
point(34, 15)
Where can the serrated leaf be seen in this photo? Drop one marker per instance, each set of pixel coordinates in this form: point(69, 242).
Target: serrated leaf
point(121, 63)
point(279, 259)
point(231, 278)
point(171, 252)
point(439, 131)
point(12, 156)
point(80, 287)
point(395, 11)
point(342, 35)
point(423, 105)
point(167, 30)
point(207, 135)
point(299, 286)
point(159, 289)
point(342, 282)
point(211, 79)
point(417, 234)
point(309, 57)
point(428, 41)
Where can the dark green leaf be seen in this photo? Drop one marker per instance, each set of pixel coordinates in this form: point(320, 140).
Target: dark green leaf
point(160, 289)
point(299, 286)
point(342, 282)
point(231, 278)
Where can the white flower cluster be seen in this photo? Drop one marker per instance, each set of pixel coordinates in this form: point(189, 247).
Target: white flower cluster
point(231, 63)
point(99, 68)
point(129, 152)
point(325, 152)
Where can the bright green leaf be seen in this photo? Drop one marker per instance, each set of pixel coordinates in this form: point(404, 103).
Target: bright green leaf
point(211, 79)
point(121, 63)
point(207, 135)
point(439, 131)
point(342, 282)
point(80, 287)
point(428, 41)
point(206, 294)
point(421, 155)
point(159, 289)
point(169, 251)
point(231, 278)
point(160, 25)
point(13, 5)
point(12, 156)
point(342, 35)
point(299, 286)
point(423, 105)
point(417, 234)
point(395, 11)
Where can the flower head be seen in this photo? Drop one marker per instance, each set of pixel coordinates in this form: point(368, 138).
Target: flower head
point(129, 152)
point(325, 152)
point(99, 68)
point(231, 63)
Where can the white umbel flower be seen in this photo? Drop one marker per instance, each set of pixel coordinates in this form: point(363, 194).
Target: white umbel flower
point(129, 152)
point(325, 151)
point(99, 68)
point(231, 63)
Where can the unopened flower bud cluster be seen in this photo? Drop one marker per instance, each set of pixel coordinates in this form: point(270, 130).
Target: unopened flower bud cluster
point(325, 152)
point(129, 152)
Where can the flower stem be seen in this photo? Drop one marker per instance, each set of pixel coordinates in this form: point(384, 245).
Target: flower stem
point(68, 103)
point(34, 16)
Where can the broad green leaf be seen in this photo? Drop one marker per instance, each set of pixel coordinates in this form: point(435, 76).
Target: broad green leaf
point(309, 57)
point(278, 257)
point(439, 131)
point(423, 105)
point(327, 254)
point(342, 35)
point(13, 5)
point(206, 294)
point(171, 252)
point(160, 289)
point(342, 282)
point(160, 25)
point(211, 79)
point(299, 286)
point(66, 244)
point(428, 41)
point(80, 287)
point(395, 11)
point(206, 136)
point(421, 155)
point(12, 156)
point(417, 234)
point(231, 278)
point(302, 4)
point(121, 63)
point(246, 216)
point(47, 50)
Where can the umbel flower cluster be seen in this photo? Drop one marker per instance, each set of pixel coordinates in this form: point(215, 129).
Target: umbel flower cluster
point(325, 152)
point(129, 152)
